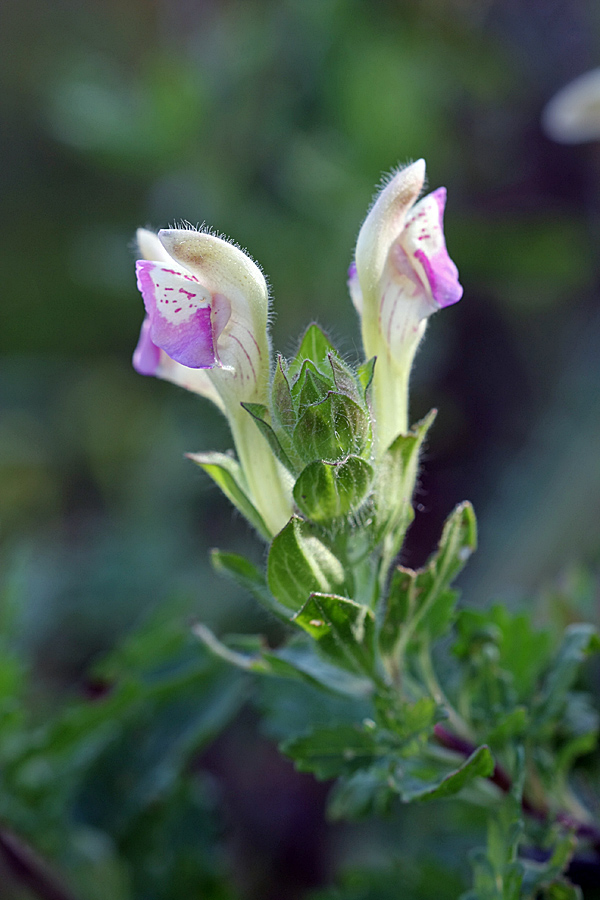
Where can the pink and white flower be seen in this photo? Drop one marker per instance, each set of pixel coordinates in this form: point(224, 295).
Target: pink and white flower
point(206, 315)
point(402, 274)
point(206, 329)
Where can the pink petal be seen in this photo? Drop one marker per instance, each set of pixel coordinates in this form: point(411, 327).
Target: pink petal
point(179, 312)
point(423, 240)
point(146, 356)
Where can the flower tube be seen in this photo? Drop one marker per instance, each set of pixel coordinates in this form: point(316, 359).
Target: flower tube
point(401, 275)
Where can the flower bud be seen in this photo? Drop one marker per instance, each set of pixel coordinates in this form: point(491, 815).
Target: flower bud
point(401, 275)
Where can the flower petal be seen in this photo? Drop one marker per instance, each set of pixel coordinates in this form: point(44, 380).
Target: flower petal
point(354, 288)
point(179, 310)
point(146, 356)
point(573, 114)
point(150, 247)
point(385, 222)
point(423, 241)
point(240, 308)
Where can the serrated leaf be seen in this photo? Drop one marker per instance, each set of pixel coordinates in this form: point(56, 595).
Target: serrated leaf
point(343, 629)
point(479, 764)
point(226, 472)
point(579, 641)
point(368, 791)
point(315, 345)
point(261, 416)
point(249, 577)
point(300, 660)
point(330, 752)
point(299, 564)
point(512, 724)
point(421, 598)
point(332, 429)
point(325, 491)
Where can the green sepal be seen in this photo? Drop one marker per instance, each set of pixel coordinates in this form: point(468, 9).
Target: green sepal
point(249, 577)
point(226, 472)
point(326, 491)
point(315, 345)
point(310, 387)
point(422, 598)
point(261, 416)
point(332, 429)
point(300, 564)
point(344, 378)
point(365, 375)
point(343, 629)
point(395, 484)
point(282, 405)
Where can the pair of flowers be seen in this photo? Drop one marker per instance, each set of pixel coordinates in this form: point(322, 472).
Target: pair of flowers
point(206, 325)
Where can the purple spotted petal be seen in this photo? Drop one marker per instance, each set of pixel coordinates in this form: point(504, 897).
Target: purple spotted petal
point(146, 355)
point(423, 239)
point(179, 312)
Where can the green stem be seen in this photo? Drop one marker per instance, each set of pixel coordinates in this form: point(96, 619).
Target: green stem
point(269, 484)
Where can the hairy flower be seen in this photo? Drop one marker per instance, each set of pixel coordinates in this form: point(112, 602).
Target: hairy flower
point(206, 329)
point(402, 273)
point(206, 309)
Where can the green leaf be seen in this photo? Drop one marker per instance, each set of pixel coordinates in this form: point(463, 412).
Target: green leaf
point(332, 429)
point(421, 599)
point(344, 630)
point(315, 345)
point(366, 792)
point(513, 724)
point(226, 472)
point(299, 660)
point(479, 764)
point(249, 577)
point(261, 416)
point(325, 491)
point(395, 484)
point(524, 651)
point(579, 641)
point(247, 658)
point(300, 564)
point(330, 752)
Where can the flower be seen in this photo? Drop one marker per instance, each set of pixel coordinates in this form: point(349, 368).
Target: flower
point(402, 273)
point(206, 329)
point(572, 116)
point(206, 309)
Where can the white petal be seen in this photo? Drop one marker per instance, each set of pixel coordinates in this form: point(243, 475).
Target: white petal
point(229, 274)
point(384, 223)
point(150, 247)
point(573, 114)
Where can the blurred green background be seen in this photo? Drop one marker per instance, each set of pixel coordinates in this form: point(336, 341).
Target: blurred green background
point(272, 122)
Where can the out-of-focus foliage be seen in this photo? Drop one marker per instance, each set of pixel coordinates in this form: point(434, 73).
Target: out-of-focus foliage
point(271, 121)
